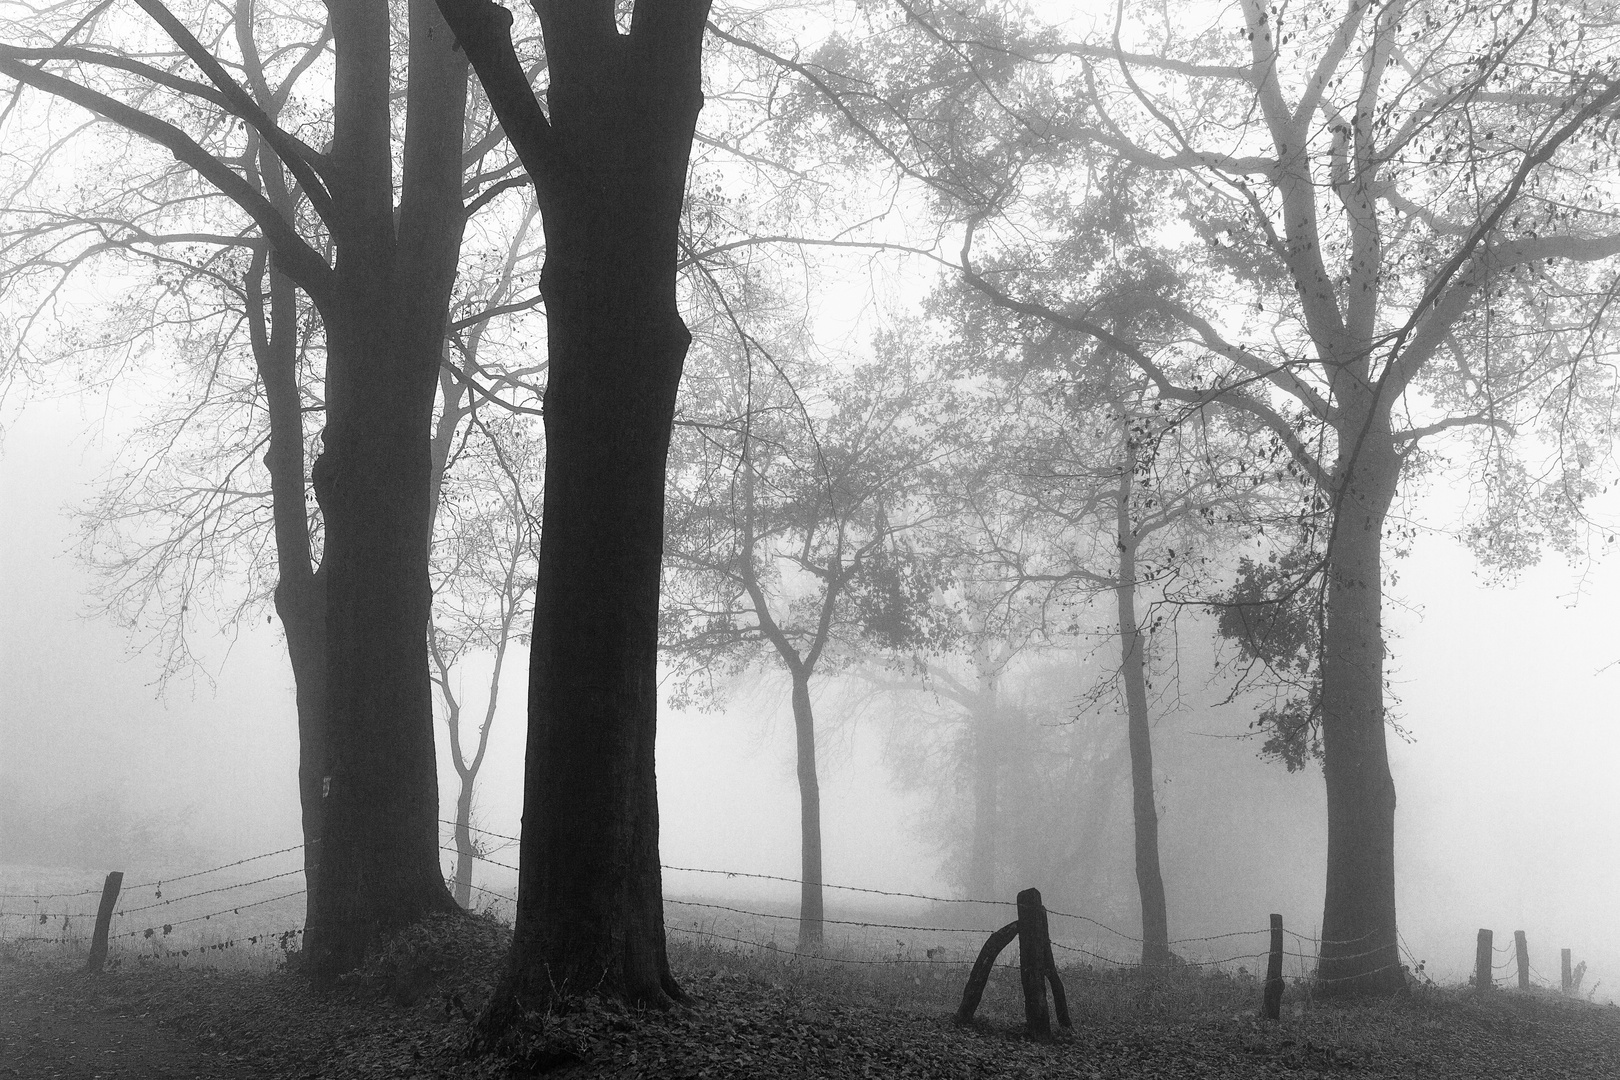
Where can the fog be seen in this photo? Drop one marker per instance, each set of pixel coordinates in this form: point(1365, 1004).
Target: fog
point(1508, 817)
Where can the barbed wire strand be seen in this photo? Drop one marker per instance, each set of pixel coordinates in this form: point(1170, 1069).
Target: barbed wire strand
point(155, 881)
point(209, 892)
point(834, 922)
point(167, 927)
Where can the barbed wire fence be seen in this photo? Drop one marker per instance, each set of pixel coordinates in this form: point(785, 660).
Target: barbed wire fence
point(65, 919)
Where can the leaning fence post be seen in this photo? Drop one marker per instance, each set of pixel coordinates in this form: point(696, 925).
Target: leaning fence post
point(1568, 976)
point(1274, 975)
point(109, 898)
point(1482, 962)
point(1522, 952)
point(1033, 947)
point(981, 971)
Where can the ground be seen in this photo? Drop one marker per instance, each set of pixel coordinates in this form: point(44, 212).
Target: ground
point(759, 1015)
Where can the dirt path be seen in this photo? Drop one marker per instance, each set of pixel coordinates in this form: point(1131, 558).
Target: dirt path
point(50, 1027)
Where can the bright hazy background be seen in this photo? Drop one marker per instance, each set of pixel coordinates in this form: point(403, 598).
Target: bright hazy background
point(1509, 814)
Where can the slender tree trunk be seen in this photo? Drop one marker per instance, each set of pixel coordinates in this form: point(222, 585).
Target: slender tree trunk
point(300, 595)
point(1359, 952)
point(984, 735)
point(1149, 879)
point(811, 911)
point(464, 844)
point(385, 327)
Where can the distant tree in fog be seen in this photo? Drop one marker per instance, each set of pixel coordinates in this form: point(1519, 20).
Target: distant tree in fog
point(789, 539)
point(1362, 227)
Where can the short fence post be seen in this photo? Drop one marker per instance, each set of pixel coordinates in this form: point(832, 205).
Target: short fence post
point(1523, 952)
point(1274, 975)
point(1034, 945)
point(1036, 968)
point(1568, 976)
point(1482, 962)
point(109, 899)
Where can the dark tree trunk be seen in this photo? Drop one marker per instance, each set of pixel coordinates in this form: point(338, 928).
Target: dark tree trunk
point(385, 318)
point(1149, 879)
point(609, 166)
point(1359, 953)
point(300, 595)
point(811, 912)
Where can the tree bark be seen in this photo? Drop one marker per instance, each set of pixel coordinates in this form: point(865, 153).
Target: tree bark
point(609, 166)
point(300, 595)
point(464, 844)
point(811, 911)
point(385, 321)
point(1359, 953)
point(1149, 878)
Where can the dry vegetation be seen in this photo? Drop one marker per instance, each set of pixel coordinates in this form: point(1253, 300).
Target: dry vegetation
point(755, 1014)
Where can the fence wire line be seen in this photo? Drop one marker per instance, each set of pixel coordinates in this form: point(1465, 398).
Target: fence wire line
point(252, 939)
point(156, 881)
point(774, 948)
point(700, 870)
point(884, 892)
point(207, 892)
point(1324, 941)
point(42, 915)
point(166, 928)
point(834, 922)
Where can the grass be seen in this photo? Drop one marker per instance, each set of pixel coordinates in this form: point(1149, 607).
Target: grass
point(862, 1009)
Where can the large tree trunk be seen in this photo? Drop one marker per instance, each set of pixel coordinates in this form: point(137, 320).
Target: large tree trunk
point(1149, 879)
point(811, 911)
point(609, 166)
point(1359, 953)
point(590, 914)
point(379, 867)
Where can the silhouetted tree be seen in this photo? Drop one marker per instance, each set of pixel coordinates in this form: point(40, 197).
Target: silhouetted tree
point(608, 159)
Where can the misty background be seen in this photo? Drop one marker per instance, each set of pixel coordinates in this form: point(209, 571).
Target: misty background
point(1508, 816)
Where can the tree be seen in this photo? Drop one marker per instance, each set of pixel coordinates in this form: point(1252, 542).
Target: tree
point(1383, 236)
point(484, 530)
point(1091, 493)
point(787, 541)
point(382, 298)
point(483, 561)
point(608, 160)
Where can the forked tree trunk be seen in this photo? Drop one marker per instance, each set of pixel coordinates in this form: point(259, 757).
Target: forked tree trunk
point(609, 166)
point(379, 868)
point(1145, 813)
point(1359, 953)
point(811, 911)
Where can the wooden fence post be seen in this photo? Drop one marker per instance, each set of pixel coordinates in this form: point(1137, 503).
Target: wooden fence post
point(1034, 946)
point(1568, 976)
point(1522, 951)
point(1274, 975)
point(981, 971)
point(1482, 962)
point(109, 899)
point(1036, 968)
